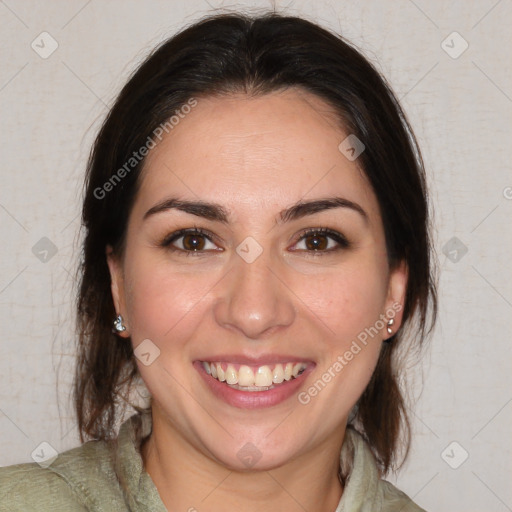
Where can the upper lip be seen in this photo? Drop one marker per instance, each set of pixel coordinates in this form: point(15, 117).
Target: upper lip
point(263, 359)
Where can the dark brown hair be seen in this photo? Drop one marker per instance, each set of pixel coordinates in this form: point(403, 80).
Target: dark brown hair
point(226, 54)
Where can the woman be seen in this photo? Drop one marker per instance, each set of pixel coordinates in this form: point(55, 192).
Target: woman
point(257, 234)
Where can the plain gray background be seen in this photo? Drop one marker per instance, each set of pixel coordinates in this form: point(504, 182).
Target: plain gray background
point(460, 105)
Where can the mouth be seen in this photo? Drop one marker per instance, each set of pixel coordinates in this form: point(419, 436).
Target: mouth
point(254, 378)
point(248, 384)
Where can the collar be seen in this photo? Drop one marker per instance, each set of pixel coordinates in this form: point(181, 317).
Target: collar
point(140, 491)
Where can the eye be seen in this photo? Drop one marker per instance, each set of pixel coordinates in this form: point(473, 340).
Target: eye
point(189, 240)
point(321, 240)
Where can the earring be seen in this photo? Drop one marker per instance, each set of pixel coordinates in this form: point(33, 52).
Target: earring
point(391, 321)
point(118, 324)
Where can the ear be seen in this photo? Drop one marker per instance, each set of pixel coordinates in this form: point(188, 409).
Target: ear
point(395, 301)
point(117, 287)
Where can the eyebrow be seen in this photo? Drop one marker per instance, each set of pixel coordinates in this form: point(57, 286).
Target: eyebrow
point(216, 212)
point(304, 208)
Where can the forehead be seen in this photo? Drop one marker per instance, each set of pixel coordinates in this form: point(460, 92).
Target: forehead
point(253, 153)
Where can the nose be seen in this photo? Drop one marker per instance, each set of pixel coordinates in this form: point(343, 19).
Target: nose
point(254, 299)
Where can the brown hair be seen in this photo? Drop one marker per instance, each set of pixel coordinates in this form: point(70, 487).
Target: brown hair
point(256, 55)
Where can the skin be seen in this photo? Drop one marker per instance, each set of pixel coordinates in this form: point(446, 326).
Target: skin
point(255, 156)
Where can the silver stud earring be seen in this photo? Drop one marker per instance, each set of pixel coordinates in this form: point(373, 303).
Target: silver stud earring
point(391, 321)
point(118, 324)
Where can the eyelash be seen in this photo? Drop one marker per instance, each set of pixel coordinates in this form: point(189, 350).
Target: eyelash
point(168, 240)
point(342, 242)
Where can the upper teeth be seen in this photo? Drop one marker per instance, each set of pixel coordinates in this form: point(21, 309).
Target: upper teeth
point(245, 376)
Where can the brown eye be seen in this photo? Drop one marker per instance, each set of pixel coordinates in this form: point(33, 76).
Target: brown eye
point(316, 242)
point(321, 240)
point(190, 241)
point(193, 242)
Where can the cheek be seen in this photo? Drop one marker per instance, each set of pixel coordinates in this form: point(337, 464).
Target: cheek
point(162, 301)
point(166, 307)
point(349, 304)
point(348, 299)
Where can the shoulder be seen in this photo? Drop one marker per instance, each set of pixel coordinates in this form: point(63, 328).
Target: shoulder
point(25, 487)
point(74, 481)
point(394, 499)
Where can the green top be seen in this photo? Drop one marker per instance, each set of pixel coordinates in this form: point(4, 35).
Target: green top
point(99, 478)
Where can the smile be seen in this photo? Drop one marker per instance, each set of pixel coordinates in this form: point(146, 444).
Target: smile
point(246, 383)
point(260, 378)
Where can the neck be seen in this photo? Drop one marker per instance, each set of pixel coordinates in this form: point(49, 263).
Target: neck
point(188, 480)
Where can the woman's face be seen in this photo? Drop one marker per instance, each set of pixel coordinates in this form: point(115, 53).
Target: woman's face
point(283, 261)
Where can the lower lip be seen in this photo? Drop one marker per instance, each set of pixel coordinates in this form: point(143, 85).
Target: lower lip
point(253, 399)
